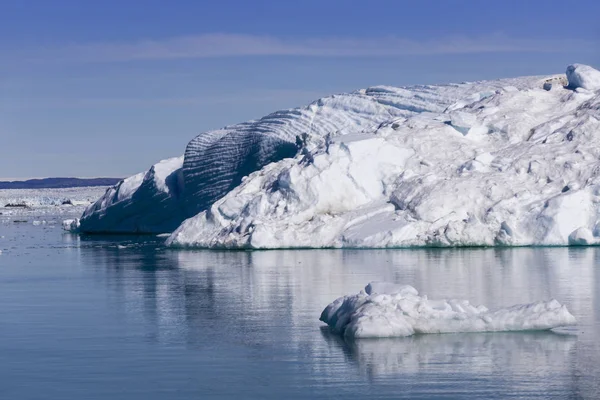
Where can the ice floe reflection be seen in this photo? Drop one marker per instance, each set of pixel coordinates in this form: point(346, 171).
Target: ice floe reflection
point(517, 353)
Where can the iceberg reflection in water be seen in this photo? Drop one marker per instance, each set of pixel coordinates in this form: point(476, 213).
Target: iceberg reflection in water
point(515, 353)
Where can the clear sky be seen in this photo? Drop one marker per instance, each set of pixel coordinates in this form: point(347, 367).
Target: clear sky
point(107, 88)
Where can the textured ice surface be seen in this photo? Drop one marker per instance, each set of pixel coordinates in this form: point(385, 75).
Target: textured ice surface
point(518, 165)
point(509, 162)
point(583, 76)
point(144, 203)
point(388, 310)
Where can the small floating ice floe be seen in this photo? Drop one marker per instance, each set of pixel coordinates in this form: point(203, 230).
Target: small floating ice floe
point(390, 310)
point(71, 225)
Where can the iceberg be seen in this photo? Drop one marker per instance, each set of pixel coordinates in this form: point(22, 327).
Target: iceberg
point(511, 162)
point(389, 310)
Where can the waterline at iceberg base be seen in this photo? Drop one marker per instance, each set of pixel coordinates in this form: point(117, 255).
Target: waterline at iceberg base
point(389, 310)
point(512, 162)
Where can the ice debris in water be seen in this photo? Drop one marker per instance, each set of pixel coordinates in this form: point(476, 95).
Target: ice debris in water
point(71, 225)
point(390, 310)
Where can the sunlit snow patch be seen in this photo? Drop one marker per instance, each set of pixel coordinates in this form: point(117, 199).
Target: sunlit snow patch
point(389, 310)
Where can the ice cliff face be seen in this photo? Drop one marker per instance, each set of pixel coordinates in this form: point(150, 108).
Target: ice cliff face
point(144, 203)
point(508, 162)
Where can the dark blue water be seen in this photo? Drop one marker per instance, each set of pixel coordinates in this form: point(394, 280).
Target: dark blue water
point(125, 318)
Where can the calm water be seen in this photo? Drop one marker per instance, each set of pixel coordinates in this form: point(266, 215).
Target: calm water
point(125, 318)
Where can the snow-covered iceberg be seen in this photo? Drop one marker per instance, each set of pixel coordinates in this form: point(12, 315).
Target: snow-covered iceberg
point(516, 165)
point(509, 162)
point(389, 310)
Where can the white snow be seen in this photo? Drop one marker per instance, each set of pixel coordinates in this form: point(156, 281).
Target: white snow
point(388, 310)
point(516, 165)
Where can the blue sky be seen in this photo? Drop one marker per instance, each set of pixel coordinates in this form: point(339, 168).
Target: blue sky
point(107, 88)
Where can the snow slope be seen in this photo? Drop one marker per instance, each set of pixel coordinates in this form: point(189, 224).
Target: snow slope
point(389, 310)
point(512, 162)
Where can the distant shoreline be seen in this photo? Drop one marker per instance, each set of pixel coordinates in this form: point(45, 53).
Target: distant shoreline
point(58, 183)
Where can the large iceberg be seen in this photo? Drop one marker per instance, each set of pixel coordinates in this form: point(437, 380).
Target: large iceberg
point(389, 310)
point(507, 162)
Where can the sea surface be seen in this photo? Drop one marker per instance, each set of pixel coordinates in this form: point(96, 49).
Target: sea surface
point(91, 317)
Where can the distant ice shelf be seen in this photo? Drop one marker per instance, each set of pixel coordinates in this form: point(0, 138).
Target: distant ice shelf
point(389, 310)
point(40, 202)
point(511, 162)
